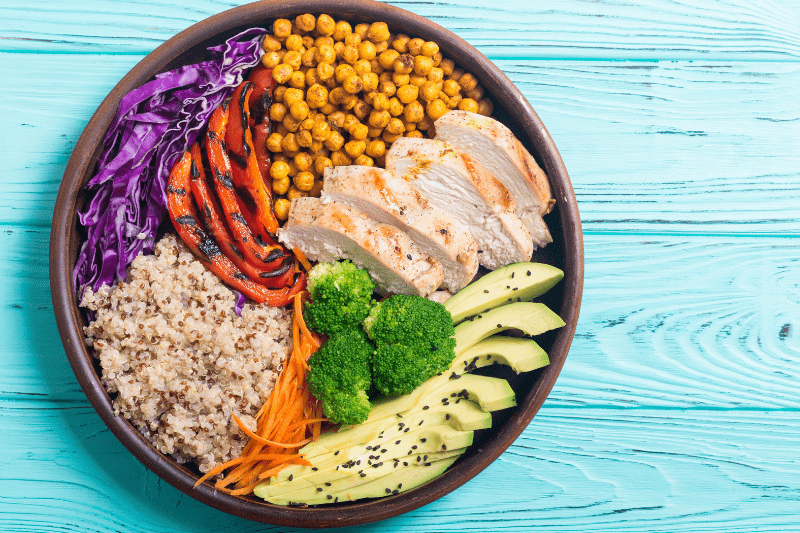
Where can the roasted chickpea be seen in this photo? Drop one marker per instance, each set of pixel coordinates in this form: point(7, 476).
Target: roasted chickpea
point(353, 84)
point(437, 59)
point(380, 102)
point(416, 80)
point(341, 29)
point(450, 87)
point(451, 101)
point(468, 104)
point(413, 112)
point(304, 138)
point(308, 41)
point(305, 22)
point(290, 124)
point(422, 65)
point(293, 43)
point(339, 159)
point(336, 119)
point(381, 47)
point(395, 107)
point(281, 186)
point(414, 134)
point(304, 181)
point(321, 163)
point(359, 132)
point(400, 79)
point(302, 161)
point(307, 58)
point(436, 74)
point(375, 66)
point(355, 148)
point(400, 43)
point(377, 31)
point(370, 81)
point(312, 77)
point(476, 93)
point(307, 124)
point(289, 143)
point(279, 169)
point(281, 207)
point(336, 95)
point(281, 129)
point(349, 54)
point(280, 157)
point(349, 101)
point(350, 120)
point(282, 72)
point(485, 107)
point(408, 126)
point(343, 71)
point(325, 53)
point(317, 96)
point(352, 39)
point(291, 96)
point(297, 80)
point(325, 71)
point(388, 88)
point(395, 126)
point(467, 82)
point(274, 142)
point(294, 59)
point(374, 133)
point(429, 91)
point(389, 138)
point(270, 59)
point(335, 141)
point(366, 50)
point(294, 192)
point(386, 76)
point(361, 67)
point(429, 49)
point(281, 28)
point(415, 46)
point(456, 74)
point(375, 148)
point(379, 119)
point(361, 30)
point(403, 64)
point(387, 58)
point(325, 25)
point(277, 94)
point(361, 109)
point(425, 124)
point(447, 66)
point(299, 110)
point(364, 160)
point(277, 111)
point(321, 131)
point(407, 93)
point(436, 108)
point(270, 44)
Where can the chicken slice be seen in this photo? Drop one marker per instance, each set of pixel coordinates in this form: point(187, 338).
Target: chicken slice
point(332, 230)
point(456, 184)
point(392, 200)
point(494, 146)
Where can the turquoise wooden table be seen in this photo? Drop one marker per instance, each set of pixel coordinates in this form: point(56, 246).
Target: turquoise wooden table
point(677, 409)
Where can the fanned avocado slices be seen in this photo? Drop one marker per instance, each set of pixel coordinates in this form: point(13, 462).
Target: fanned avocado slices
point(522, 355)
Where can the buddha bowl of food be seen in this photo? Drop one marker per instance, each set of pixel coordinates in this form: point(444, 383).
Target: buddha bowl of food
point(316, 264)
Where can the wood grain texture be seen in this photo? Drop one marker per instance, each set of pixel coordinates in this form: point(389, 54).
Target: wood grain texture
point(571, 470)
point(567, 29)
point(677, 409)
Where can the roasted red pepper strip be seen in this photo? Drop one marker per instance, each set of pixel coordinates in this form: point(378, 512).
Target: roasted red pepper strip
point(184, 218)
point(260, 101)
point(212, 220)
point(268, 257)
point(244, 164)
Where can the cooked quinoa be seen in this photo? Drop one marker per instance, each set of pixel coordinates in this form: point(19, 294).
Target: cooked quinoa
point(179, 358)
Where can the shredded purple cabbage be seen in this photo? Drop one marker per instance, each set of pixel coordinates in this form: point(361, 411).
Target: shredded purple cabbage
point(237, 308)
point(153, 126)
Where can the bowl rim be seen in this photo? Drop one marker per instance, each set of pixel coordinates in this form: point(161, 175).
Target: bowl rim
point(65, 307)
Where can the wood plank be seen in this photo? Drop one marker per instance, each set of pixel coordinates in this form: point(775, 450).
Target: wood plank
point(571, 470)
point(699, 322)
point(565, 29)
point(647, 145)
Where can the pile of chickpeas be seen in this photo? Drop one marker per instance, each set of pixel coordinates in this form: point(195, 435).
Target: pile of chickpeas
point(345, 94)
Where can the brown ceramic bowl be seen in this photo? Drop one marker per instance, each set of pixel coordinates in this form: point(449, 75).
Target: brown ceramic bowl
point(566, 252)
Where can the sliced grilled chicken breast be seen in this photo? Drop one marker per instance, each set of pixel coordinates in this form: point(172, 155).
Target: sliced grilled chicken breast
point(392, 200)
point(494, 146)
point(332, 230)
point(455, 183)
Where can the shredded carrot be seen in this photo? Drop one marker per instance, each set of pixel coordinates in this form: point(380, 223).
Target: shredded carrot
point(289, 419)
point(302, 258)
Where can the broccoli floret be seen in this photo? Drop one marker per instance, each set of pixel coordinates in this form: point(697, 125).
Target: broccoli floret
point(414, 339)
point(341, 297)
point(340, 376)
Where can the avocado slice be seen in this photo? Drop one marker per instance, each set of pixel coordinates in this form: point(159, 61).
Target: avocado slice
point(518, 282)
point(531, 318)
point(353, 488)
point(423, 440)
point(492, 394)
point(522, 355)
point(463, 416)
point(334, 477)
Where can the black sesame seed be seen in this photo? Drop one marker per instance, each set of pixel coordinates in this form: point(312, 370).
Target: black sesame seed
point(444, 446)
point(336, 500)
point(314, 468)
point(529, 272)
point(395, 492)
point(291, 477)
point(327, 484)
point(426, 464)
point(330, 497)
point(420, 422)
point(486, 291)
point(383, 450)
point(406, 430)
point(423, 439)
point(512, 275)
point(388, 490)
point(362, 474)
point(447, 416)
point(408, 255)
point(405, 463)
point(425, 458)
point(319, 489)
point(414, 447)
point(399, 485)
point(499, 325)
point(397, 442)
point(337, 452)
point(419, 458)
point(425, 407)
point(515, 289)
